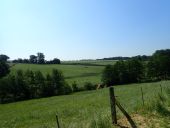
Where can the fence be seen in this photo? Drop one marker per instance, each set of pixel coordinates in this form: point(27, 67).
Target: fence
point(117, 104)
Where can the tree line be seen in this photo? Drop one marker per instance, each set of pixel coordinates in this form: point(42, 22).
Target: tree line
point(137, 70)
point(37, 59)
point(29, 85)
point(141, 57)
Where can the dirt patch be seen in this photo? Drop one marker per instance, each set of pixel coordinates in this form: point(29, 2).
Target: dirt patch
point(140, 121)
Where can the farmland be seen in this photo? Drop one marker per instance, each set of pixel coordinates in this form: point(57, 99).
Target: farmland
point(81, 109)
point(78, 73)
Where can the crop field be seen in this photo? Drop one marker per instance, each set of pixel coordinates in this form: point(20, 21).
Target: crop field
point(78, 73)
point(84, 109)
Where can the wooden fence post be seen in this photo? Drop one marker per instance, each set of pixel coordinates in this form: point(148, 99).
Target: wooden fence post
point(132, 123)
point(161, 88)
point(142, 96)
point(58, 125)
point(113, 105)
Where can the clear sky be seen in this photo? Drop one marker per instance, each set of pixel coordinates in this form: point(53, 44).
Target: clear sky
point(83, 29)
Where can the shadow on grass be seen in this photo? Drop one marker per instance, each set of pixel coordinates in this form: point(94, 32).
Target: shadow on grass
point(162, 110)
point(83, 75)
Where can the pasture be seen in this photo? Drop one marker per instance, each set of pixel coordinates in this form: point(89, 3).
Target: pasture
point(81, 109)
point(78, 73)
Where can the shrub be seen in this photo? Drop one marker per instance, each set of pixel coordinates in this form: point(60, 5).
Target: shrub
point(74, 87)
point(89, 86)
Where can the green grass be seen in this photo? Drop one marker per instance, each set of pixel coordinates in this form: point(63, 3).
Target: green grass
point(79, 110)
point(92, 62)
point(78, 73)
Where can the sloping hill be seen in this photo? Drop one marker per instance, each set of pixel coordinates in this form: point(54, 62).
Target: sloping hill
point(78, 73)
point(79, 110)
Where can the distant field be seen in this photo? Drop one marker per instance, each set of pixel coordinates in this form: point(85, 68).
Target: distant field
point(91, 62)
point(78, 73)
point(79, 109)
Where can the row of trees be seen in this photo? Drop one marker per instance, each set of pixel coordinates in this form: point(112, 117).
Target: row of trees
point(140, 57)
point(123, 72)
point(138, 70)
point(39, 59)
point(29, 84)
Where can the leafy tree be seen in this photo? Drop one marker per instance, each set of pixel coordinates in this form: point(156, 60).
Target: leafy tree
point(123, 72)
point(39, 83)
point(120, 73)
point(4, 89)
point(74, 87)
point(40, 58)
point(61, 87)
point(89, 86)
point(33, 59)
point(4, 69)
point(49, 88)
point(26, 61)
point(107, 75)
point(30, 81)
point(21, 89)
point(158, 66)
point(56, 61)
point(3, 57)
point(135, 70)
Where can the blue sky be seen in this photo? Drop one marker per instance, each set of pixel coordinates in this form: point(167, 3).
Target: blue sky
point(83, 29)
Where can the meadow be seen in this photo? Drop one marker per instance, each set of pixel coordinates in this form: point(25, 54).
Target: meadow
point(91, 62)
point(83, 109)
point(78, 73)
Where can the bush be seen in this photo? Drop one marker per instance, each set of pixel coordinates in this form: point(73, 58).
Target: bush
point(4, 69)
point(74, 87)
point(89, 86)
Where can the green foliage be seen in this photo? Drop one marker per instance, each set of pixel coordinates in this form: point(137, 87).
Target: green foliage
point(158, 66)
point(29, 84)
point(78, 73)
point(78, 110)
point(40, 58)
point(75, 87)
point(89, 86)
point(33, 59)
point(123, 72)
point(108, 75)
point(3, 57)
point(4, 69)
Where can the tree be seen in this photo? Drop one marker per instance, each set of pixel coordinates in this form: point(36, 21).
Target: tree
point(107, 75)
point(60, 85)
point(4, 69)
point(21, 89)
point(33, 59)
point(120, 72)
point(40, 58)
point(49, 88)
point(56, 61)
point(39, 83)
point(3, 57)
point(26, 61)
point(135, 70)
point(158, 66)
point(123, 72)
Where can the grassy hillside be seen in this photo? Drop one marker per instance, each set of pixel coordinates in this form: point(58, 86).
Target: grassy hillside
point(78, 73)
point(79, 110)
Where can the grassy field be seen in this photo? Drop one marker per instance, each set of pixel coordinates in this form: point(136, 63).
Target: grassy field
point(78, 73)
point(79, 110)
point(92, 62)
